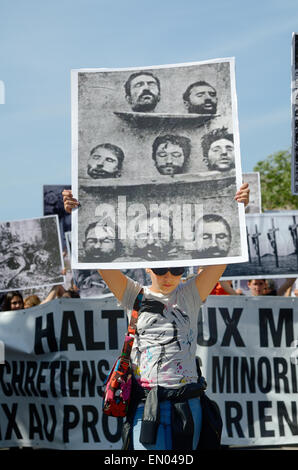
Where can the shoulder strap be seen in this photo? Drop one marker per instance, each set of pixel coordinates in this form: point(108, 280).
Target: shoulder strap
point(135, 313)
point(131, 331)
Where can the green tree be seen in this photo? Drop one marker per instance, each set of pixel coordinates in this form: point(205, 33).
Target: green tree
point(275, 177)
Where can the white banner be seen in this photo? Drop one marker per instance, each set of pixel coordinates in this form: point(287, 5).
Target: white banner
point(54, 358)
point(248, 349)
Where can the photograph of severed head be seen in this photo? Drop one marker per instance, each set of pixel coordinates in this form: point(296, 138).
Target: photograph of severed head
point(105, 161)
point(142, 91)
point(137, 228)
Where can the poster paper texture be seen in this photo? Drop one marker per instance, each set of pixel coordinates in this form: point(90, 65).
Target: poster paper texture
point(156, 158)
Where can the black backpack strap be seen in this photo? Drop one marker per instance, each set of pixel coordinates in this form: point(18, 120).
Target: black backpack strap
point(135, 313)
point(131, 331)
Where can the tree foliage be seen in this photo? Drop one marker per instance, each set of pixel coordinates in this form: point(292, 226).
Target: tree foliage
point(275, 177)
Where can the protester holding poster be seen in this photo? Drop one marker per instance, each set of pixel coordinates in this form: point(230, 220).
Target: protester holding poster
point(155, 142)
point(163, 355)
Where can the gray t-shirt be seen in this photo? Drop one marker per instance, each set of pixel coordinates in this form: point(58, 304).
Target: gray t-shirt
point(165, 344)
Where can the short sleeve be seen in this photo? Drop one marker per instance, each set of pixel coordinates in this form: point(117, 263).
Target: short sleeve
point(130, 293)
point(190, 296)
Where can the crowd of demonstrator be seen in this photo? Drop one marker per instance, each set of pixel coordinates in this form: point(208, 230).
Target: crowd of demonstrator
point(14, 300)
point(256, 287)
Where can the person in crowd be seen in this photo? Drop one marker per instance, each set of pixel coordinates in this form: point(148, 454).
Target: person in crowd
point(267, 287)
point(164, 351)
point(71, 294)
point(12, 301)
point(171, 154)
point(224, 288)
point(200, 98)
point(105, 161)
point(218, 150)
point(56, 292)
point(221, 287)
point(292, 291)
point(256, 287)
point(31, 301)
point(142, 91)
point(270, 287)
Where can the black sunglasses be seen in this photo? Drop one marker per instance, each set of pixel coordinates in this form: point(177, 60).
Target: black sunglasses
point(174, 271)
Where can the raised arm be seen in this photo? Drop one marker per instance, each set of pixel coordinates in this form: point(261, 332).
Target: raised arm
point(114, 278)
point(210, 275)
point(286, 285)
point(228, 288)
point(116, 281)
point(55, 292)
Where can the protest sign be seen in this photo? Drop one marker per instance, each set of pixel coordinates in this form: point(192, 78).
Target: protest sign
point(255, 201)
point(272, 247)
point(31, 254)
point(56, 356)
point(156, 157)
point(294, 114)
point(248, 350)
point(53, 204)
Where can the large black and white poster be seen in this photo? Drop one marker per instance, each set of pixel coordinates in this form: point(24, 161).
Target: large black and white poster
point(30, 253)
point(156, 164)
point(91, 284)
point(272, 246)
point(294, 101)
point(255, 201)
point(53, 204)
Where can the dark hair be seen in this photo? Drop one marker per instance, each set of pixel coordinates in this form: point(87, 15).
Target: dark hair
point(117, 151)
point(72, 293)
point(213, 136)
point(216, 218)
point(183, 142)
point(136, 74)
point(186, 94)
point(6, 306)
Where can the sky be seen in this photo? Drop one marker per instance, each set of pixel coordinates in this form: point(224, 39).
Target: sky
point(41, 41)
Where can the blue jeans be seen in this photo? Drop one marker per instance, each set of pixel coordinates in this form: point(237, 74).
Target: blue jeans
point(164, 433)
